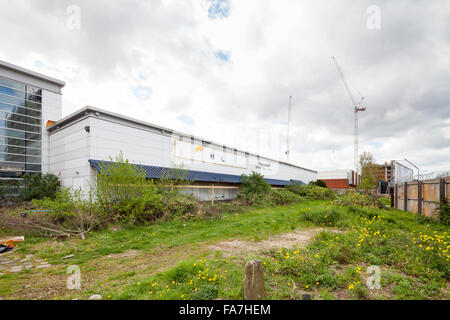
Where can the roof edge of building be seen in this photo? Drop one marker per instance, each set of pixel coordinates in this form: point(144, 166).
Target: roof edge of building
point(32, 73)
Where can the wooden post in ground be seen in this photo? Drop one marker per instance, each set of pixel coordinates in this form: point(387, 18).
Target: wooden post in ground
point(419, 197)
point(396, 196)
point(441, 190)
point(405, 196)
point(254, 281)
point(212, 194)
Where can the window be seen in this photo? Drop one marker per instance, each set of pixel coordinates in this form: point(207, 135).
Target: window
point(20, 129)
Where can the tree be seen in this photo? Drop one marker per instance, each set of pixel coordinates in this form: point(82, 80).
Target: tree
point(367, 165)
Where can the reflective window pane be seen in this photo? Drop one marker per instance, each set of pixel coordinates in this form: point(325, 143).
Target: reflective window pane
point(33, 152)
point(12, 100)
point(34, 90)
point(20, 150)
point(33, 167)
point(32, 136)
point(12, 141)
point(33, 144)
point(12, 92)
point(11, 174)
point(12, 133)
point(34, 160)
point(34, 98)
point(12, 166)
point(12, 84)
point(19, 110)
point(11, 157)
point(33, 105)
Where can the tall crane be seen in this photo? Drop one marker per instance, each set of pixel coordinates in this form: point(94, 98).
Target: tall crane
point(288, 151)
point(356, 108)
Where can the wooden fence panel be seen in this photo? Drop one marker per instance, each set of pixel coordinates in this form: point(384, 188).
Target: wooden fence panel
point(421, 197)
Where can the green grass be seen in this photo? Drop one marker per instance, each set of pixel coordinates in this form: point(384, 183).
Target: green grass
point(411, 252)
point(332, 266)
point(259, 223)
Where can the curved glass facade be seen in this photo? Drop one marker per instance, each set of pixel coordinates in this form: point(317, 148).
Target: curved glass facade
point(20, 129)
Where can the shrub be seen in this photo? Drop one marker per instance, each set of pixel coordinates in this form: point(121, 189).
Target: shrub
point(39, 186)
point(311, 192)
point(359, 200)
point(254, 184)
point(70, 213)
point(319, 183)
point(154, 204)
point(443, 212)
point(283, 196)
point(206, 292)
point(321, 217)
point(119, 181)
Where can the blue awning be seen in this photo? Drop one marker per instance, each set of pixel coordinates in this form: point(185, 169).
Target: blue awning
point(154, 172)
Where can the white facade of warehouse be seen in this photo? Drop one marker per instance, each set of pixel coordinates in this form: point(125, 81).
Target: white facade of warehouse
point(96, 134)
point(92, 133)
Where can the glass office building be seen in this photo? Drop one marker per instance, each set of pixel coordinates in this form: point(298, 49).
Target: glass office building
point(21, 124)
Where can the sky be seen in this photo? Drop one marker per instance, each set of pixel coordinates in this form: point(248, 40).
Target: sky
point(224, 70)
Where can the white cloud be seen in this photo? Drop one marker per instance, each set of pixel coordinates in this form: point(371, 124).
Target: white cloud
point(158, 60)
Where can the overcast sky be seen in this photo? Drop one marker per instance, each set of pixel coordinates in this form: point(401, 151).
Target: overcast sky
point(224, 69)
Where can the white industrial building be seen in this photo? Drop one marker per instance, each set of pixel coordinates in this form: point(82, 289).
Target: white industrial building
point(73, 147)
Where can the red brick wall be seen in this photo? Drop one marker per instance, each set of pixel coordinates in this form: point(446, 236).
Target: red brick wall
point(337, 183)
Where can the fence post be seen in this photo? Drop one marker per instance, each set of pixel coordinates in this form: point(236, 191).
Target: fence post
point(405, 196)
point(212, 194)
point(396, 196)
point(442, 190)
point(254, 281)
point(419, 197)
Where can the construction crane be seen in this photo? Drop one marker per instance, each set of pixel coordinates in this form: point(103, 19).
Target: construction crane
point(288, 129)
point(356, 108)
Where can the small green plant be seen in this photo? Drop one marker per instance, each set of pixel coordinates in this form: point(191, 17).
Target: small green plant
point(321, 217)
point(311, 192)
point(39, 186)
point(443, 212)
point(254, 184)
point(206, 292)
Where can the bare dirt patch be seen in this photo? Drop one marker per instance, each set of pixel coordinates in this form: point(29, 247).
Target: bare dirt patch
point(286, 240)
point(126, 254)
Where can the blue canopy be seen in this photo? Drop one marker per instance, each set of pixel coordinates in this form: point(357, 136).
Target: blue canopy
point(154, 172)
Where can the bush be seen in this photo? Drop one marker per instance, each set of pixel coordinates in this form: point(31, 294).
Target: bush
point(254, 184)
point(443, 212)
point(153, 204)
point(119, 181)
point(321, 217)
point(359, 200)
point(39, 186)
point(70, 213)
point(319, 183)
point(281, 197)
point(7, 188)
point(311, 192)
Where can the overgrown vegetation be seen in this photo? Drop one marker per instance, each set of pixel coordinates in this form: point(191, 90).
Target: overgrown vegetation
point(412, 255)
point(367, 165)
point(319, 183)
point(443, 211)
point(39, 186)
point(311, 192)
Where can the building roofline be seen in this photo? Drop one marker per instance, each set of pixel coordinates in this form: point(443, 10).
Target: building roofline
point(32, 73)
point(94, 111)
